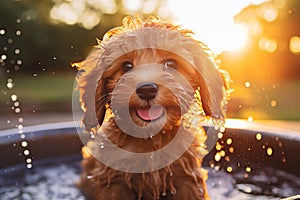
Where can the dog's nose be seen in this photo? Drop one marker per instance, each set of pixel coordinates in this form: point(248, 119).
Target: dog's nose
point(146, 90)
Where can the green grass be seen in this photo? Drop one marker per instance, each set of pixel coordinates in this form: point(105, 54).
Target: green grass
point(41, 89)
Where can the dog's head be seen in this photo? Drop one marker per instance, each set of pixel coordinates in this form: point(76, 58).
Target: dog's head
point(149, 71)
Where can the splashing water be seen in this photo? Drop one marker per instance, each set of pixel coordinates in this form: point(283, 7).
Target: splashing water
point(57, 180)
point(14, 62)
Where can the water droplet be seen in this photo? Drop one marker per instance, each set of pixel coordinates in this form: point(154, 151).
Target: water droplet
point(16, 67)
point(29, 166)
point(217, 157)
point(273, 103)
point(247, 84)
point(54, 58)
point(248, 169)
point(18, 21)
point(22, 136)
point(269, 151)
point(173, 191)
point(14, 97)
point(229, 169)
point(222, 128)
point(89, 177)
point(258, 136)
point(35, 74)
point(227, 158)
point(18, 32)
point(20, 119)
point(218, 146)
point(26, 152)
point(3, 57)
point(229, 141)
point(17, 110)
point(152, 156)
point(220, 135)
point(231, 150)
point(19, 62)
point(10, 85)
point(10, 41)
point(16, 104)
point(164, 194)
point(24, 144)
point(222, 153)
point(28, 160)
point(8, 121)
point(101, 145)
point(2, 32)
point(17, 51)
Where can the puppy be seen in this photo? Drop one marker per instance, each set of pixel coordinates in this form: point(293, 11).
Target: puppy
point(145, 89)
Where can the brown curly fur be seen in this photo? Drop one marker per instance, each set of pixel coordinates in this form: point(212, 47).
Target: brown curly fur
point(137, 42)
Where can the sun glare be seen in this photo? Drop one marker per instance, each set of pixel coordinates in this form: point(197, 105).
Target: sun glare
point(212, 21)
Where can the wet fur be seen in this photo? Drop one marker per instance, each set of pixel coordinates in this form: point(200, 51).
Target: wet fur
point(184, 178)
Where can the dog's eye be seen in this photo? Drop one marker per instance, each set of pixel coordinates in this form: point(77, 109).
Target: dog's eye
point(170, 64)
point(126, 66)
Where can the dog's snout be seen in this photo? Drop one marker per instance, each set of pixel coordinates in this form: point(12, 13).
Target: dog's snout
point(146, 90)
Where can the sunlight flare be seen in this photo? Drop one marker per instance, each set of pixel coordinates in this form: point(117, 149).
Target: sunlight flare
point(213, 24)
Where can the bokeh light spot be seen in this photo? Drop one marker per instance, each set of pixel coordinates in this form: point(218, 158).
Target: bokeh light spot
point(273, 103)
point(267, 44)
point(295, 44)
point(269, 151)
point(258, 136)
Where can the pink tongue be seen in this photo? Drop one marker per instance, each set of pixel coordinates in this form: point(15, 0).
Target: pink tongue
point(152, 113)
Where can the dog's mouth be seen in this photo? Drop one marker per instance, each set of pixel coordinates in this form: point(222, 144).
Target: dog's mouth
point(150, 114)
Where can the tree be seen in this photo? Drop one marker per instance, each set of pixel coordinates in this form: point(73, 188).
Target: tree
point(273, 50)
point(48, 35)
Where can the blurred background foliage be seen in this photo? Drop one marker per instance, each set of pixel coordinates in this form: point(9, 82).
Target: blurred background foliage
point(266, 71)
point(39, 40)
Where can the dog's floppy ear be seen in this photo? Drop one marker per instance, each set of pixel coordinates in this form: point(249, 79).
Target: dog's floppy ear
point(90, 84)
point(212, 82)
